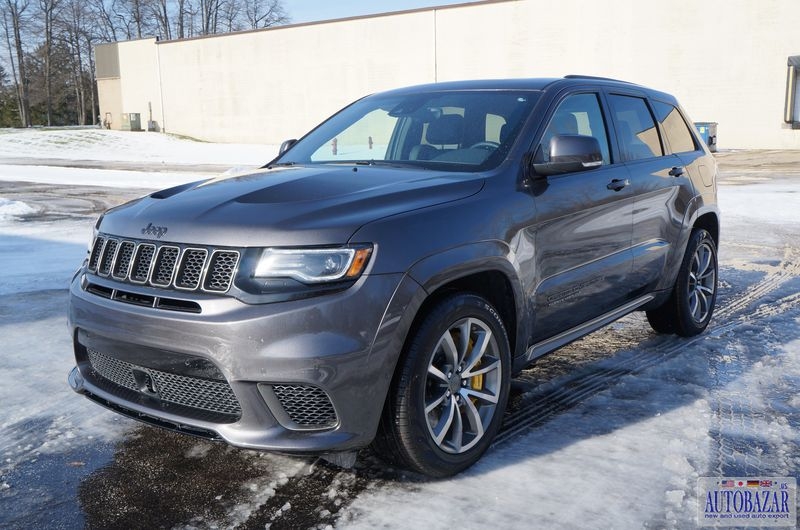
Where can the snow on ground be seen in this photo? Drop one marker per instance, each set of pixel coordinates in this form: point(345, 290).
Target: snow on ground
point(120, 146)
point(626, 455)
point(10, 209)
point(95, 177)
point(159, 161)
point(725, 404)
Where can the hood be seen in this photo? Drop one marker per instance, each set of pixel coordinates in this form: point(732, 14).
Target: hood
point(294, 206)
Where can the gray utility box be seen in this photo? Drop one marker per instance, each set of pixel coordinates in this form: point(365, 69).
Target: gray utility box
point(131, 121)
point(708, 132)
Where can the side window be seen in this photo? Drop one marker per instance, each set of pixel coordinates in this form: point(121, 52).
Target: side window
point(636, 130)
point(578, 114)
point(676, 130)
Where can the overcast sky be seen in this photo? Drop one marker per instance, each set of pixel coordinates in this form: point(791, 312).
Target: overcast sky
point(312, 10)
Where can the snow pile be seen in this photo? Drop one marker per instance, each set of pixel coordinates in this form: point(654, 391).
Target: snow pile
point(112, 178)
point(615, 462)
point(149, 160)
point(121, 146)
point(774, 203)
point(11, 209)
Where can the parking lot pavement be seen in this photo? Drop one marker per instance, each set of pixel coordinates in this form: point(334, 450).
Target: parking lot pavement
point(618, 426)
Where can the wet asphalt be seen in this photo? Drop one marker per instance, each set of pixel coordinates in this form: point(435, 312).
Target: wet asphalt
point(157, 479)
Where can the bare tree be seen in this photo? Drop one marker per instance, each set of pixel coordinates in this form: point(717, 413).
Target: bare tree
point(160, 11)
point(180, 18)
point(13, 11)
point(130, 19)
point(50, 43)
point(209, 15)
point(48, 10)
point(264, 13)
point(136, 11)
point(105, 22)
point(72, 35)
point(231, 15)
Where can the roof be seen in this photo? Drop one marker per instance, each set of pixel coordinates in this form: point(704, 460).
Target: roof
point(538, 84)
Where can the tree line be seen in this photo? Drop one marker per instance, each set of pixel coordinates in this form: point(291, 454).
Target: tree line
point(47, 68)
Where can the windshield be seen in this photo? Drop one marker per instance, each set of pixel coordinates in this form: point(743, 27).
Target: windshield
point(452, 131)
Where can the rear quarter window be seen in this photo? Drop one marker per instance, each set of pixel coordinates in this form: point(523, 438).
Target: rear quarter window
point(672, 123)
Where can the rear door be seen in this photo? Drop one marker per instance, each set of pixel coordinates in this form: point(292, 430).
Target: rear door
point(659, 184)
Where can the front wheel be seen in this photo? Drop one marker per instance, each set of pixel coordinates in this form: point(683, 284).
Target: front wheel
point(449, 393)
point(689, 308)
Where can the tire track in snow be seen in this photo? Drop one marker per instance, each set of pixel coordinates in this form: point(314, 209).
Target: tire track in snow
point(332, 489)
point(541, 404)
point(788, 268)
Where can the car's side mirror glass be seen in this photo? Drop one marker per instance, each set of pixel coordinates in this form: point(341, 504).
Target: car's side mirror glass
point(285, 146)
point(569, 153)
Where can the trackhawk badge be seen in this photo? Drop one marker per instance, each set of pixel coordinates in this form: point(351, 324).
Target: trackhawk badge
point(157, 231)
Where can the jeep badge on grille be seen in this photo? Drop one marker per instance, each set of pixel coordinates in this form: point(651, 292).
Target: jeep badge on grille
point(157, 231)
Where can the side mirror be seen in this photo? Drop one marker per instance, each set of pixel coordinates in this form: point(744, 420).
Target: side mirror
point(570, 153)
point(285, 146)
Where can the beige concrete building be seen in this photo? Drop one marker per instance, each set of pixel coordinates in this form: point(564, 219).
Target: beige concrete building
point(725, 60)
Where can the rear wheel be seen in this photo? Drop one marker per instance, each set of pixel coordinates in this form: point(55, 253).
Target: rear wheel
point(689, 308)
point(448, 396)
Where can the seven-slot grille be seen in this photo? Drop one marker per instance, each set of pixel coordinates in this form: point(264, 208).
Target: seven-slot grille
point(164, 265)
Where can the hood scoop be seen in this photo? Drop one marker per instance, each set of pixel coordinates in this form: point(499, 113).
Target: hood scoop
point(317, 187)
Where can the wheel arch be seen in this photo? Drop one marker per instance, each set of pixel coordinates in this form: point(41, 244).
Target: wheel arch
point(483, 269)
point(493, 286)
point(709, 221)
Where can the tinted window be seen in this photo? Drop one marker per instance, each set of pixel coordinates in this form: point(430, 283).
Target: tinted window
point(578, 114)
point(636, 130)
point(678, 135)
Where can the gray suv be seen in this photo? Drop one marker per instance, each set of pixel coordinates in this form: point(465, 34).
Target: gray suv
point(383, 279)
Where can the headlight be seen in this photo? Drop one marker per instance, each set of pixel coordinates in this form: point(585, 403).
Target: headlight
point(318, 265)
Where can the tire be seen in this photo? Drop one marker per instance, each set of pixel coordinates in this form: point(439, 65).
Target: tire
point(690, 307)
point(448, 396)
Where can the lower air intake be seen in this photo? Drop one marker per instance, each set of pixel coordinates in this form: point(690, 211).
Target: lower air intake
point(307, 406)
point(191, 392)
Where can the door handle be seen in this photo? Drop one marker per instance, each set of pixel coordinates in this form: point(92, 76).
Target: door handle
point(618, 184)
point(677, 171)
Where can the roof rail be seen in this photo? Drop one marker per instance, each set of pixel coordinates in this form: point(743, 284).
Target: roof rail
point(579, 76)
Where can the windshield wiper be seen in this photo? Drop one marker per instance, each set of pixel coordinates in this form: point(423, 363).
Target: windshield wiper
point(385, 163)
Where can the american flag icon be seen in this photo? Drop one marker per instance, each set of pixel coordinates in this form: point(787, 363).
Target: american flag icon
point(727, 483)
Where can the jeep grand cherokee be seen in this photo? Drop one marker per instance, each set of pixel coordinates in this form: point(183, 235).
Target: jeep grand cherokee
point(383, 279)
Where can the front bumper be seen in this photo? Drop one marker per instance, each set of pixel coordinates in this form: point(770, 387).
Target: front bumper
point(345, 345)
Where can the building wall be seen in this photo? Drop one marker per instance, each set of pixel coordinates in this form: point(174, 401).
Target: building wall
point(271, 85)
point(725, 60)
point(109, 91)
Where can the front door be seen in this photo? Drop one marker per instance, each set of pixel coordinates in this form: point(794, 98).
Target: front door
point(582, 231)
